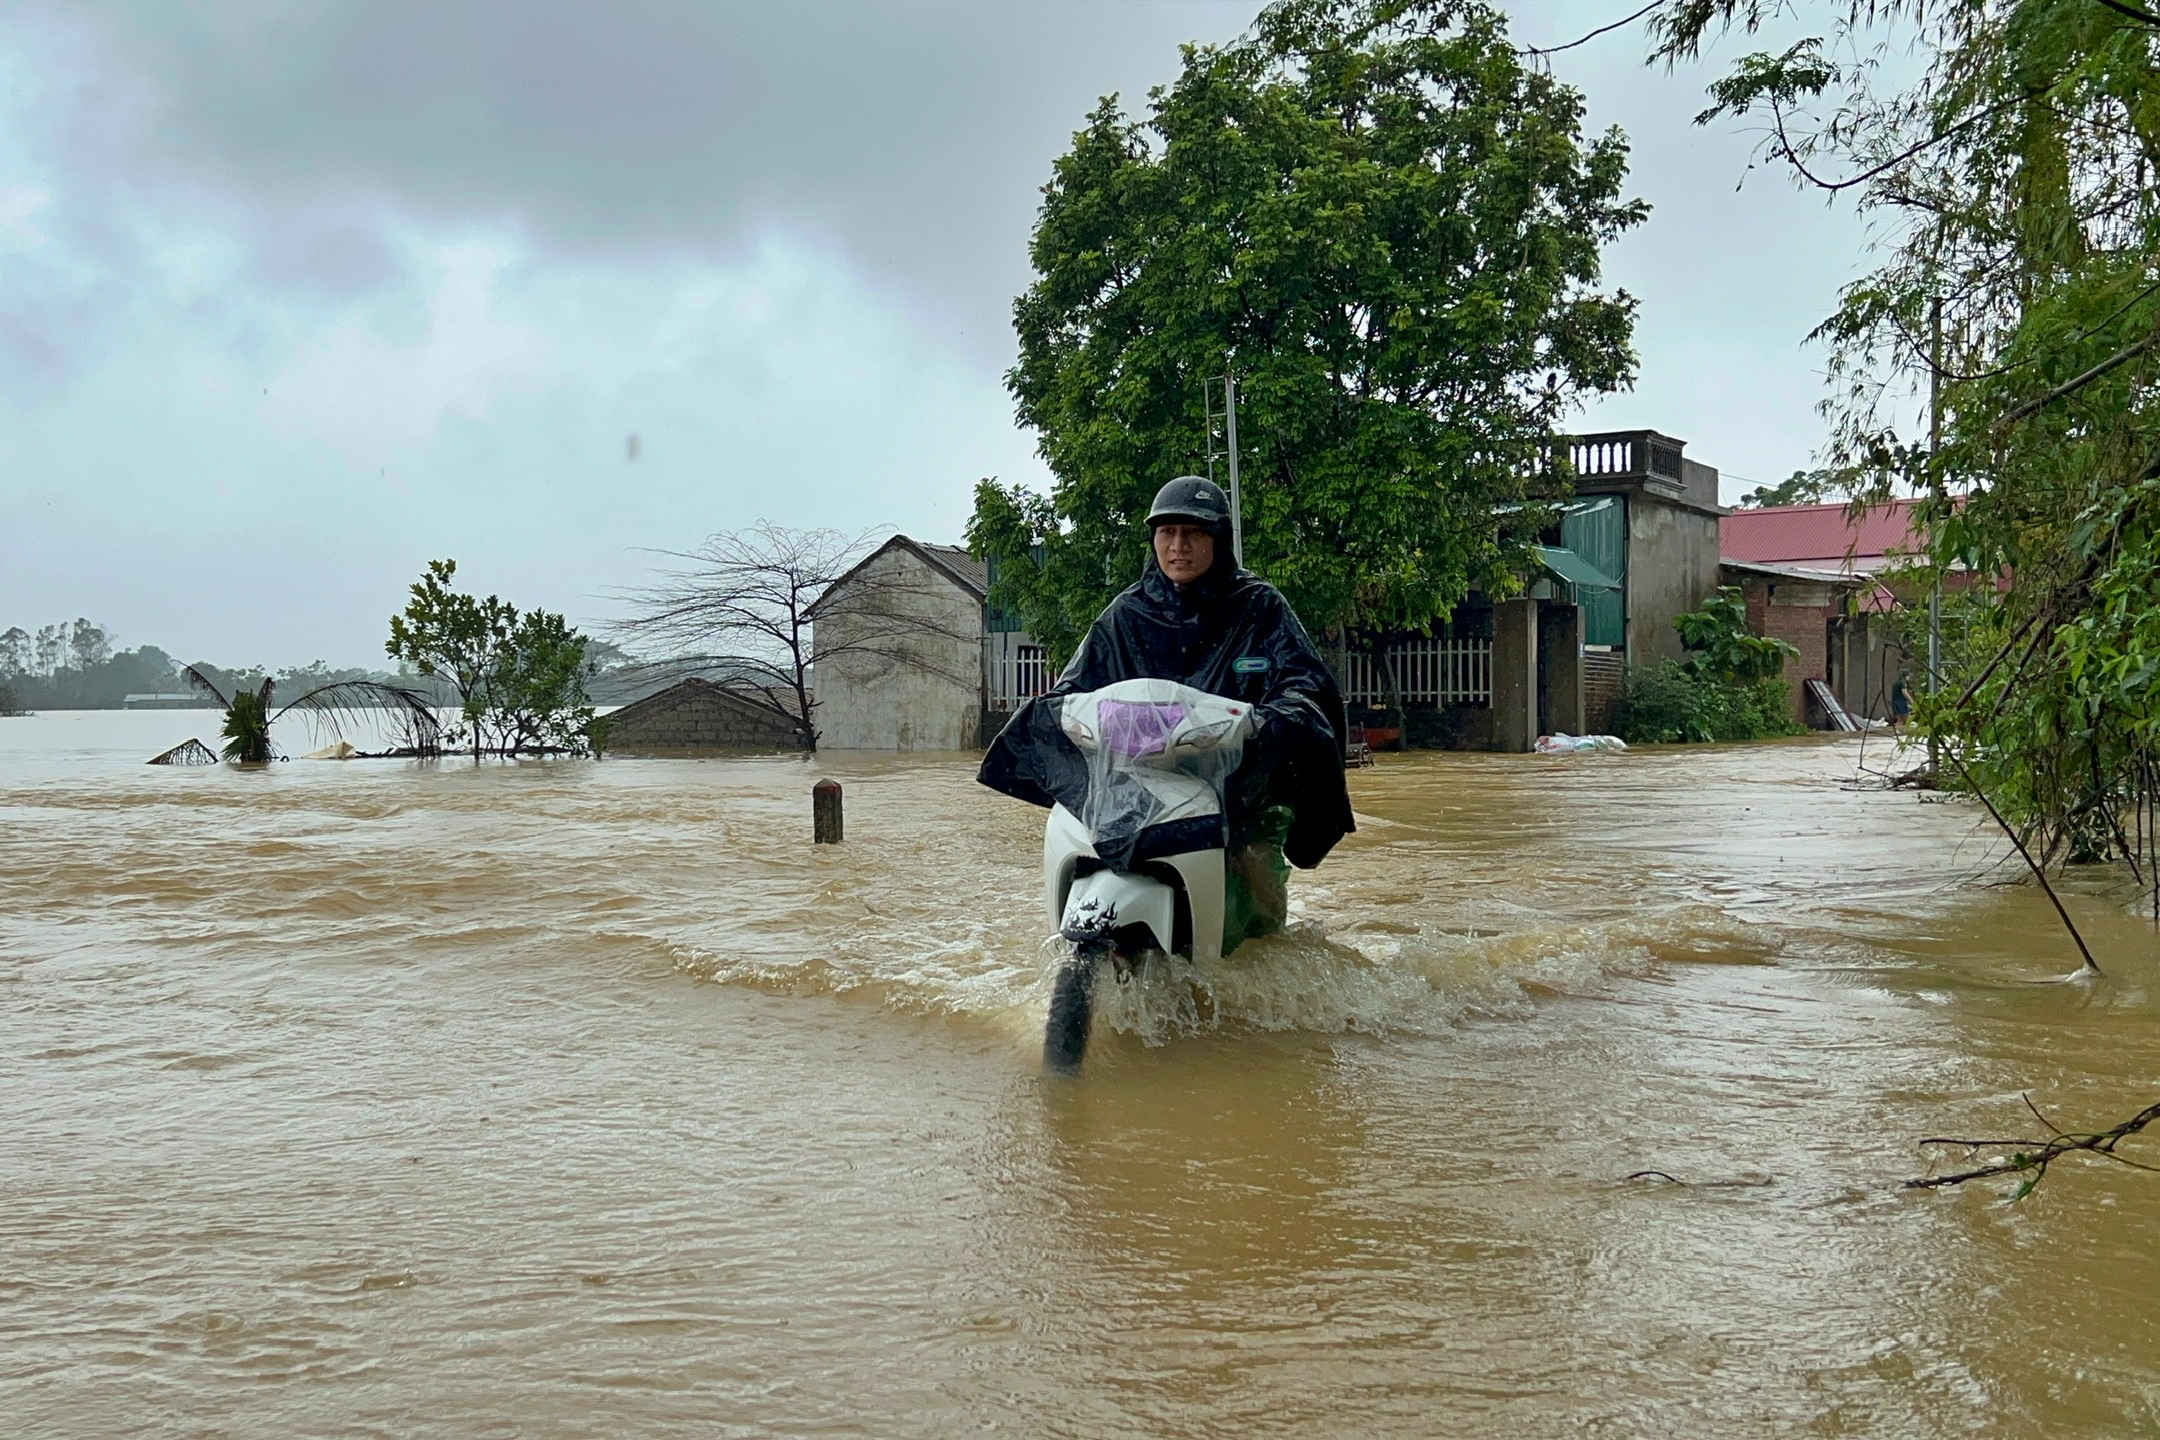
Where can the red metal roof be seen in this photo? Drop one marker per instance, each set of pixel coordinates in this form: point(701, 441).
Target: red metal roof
point(1820, 537)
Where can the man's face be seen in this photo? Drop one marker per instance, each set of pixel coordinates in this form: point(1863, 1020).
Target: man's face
point(1184, 551)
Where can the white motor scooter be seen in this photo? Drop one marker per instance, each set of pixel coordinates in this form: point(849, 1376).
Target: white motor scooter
point(1143, 866)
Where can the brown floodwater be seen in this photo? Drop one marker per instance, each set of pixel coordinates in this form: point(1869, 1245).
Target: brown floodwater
point(381, 1098)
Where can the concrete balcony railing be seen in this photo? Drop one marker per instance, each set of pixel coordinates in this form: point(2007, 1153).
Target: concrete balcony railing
point(1641, 460)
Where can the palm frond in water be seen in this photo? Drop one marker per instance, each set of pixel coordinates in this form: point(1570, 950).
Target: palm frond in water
point(338, 706)
point(201, 682)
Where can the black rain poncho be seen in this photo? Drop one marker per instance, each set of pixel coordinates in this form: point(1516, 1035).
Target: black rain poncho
point(1229, 633)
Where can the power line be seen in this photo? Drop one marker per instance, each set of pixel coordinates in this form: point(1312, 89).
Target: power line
point(1601, 30)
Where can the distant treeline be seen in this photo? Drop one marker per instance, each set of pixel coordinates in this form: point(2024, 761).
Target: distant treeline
point(74, 666)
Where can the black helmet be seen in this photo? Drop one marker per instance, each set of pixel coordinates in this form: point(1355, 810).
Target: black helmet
point(1192, 500)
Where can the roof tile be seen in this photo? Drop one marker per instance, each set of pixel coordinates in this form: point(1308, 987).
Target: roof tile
point(1822, 537)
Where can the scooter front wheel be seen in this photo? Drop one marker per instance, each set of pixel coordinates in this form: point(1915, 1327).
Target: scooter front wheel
point(1072, 1008)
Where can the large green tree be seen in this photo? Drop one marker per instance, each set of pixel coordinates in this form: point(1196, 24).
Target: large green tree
point(1389, 225)
point(1802, 487)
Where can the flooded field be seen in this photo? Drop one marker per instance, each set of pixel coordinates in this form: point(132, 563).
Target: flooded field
point(571, 1099)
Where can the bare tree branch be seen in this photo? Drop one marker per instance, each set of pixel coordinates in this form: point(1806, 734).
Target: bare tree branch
point(1793, 157)
point(2143, 17)
point(2031, 1158)
point(2018, 840)
point(1586, 39)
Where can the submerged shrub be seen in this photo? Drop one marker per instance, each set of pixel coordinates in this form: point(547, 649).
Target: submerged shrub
point(247, 726)
point(1669, 702)
point(1730, 687)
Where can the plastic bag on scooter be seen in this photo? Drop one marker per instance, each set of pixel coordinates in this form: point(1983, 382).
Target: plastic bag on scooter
point(1157, 756)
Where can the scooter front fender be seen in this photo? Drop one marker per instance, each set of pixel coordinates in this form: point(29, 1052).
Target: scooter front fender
point(1066, 842)
point(1105, 902)
point(1204, 873)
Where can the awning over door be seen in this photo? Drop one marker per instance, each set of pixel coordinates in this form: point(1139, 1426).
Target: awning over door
point(1570, 568)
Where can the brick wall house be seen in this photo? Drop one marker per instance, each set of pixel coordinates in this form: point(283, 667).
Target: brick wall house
point(698, 717)
point(1812, 577)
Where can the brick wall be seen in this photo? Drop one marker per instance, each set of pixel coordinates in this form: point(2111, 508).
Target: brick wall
point(1604, 681)
point(696, 718)
point(1799, 614)
point(1807, 629)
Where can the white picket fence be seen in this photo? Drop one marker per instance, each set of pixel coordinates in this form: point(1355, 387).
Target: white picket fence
point(1014, 668)
point(1430, 672)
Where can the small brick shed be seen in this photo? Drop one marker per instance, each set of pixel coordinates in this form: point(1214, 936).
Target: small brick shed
point(1824, 616)
point(697, 717)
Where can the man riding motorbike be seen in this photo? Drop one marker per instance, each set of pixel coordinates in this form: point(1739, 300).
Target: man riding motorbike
point(1196, 618)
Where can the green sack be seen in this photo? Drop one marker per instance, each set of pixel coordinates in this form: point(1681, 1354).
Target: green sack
point(1256, 882)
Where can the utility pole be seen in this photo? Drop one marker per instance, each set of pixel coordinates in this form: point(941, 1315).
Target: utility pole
point(1934, 659)
point(1229, 416)
point(1237, 509)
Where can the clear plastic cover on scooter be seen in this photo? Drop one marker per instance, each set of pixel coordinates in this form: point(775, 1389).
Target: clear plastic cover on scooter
point(1158, 754)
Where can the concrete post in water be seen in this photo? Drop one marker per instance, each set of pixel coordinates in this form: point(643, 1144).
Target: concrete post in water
point(825, 812)
point(1560, 666)
point(1514, 675)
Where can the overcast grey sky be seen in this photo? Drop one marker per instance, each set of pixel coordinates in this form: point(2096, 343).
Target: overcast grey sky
point(294, 297)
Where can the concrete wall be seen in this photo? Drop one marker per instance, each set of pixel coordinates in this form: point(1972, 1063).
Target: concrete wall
point(1865, 658)
point(1672, 569)
point(919, 685)
point(1700, 482)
